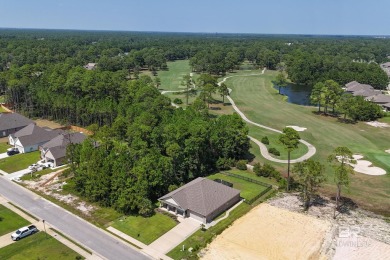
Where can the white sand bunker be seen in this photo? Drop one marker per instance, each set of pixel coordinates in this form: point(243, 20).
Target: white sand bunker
point(378, 124)
point(365, 167)
point(387, 151)
point(268, 232)
point(297, 128)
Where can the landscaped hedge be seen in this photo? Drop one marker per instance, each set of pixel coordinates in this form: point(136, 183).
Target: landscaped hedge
point(273, 151)
point(265, 140)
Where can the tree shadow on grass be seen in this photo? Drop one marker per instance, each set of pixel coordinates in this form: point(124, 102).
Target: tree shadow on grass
point(346, 121)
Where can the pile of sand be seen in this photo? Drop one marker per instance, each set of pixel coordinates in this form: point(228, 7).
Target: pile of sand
point(268, 232)
point(297, 128)
point(377, 124)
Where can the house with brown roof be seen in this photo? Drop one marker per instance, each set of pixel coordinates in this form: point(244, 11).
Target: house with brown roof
point(10, 123)
point(55, 150)
point(201, 199)
point(31, 137)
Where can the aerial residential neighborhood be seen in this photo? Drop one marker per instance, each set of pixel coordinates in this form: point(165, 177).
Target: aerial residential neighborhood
point(207, 130)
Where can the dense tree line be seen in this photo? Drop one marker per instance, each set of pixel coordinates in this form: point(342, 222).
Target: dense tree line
point(151, 146)
point(329, 94)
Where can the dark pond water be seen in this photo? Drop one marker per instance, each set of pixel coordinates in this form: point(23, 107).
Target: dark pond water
point(297, 94)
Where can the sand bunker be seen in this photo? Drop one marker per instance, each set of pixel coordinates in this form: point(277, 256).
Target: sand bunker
point(268, 232)
point(365, 167)
point(297, 128)
point(378, 124)
point(387, 151)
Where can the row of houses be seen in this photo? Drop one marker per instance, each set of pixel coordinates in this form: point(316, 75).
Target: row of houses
point(369, 94)
point(26, 136)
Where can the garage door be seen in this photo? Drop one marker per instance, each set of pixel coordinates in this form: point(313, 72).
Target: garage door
point(197, 217)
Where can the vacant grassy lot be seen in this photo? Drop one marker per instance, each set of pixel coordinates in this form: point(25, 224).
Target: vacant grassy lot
point(261, 103)
point(10, 221)
point(4, 147)
point(143, 229)
point(249, 190)
point(19, 161)
point(37, 246)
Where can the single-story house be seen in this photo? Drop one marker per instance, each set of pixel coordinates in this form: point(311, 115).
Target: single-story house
point(357, 89)
point(31, 137)
point(381, 99)
point(201, 199)
point(10, 123)
point(55, 150)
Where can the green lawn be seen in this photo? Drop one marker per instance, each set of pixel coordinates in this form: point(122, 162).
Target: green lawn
point(4, 147)
point(143, 229)
point(10, 221)
point(200, 238)
point(256, 97)
point(251, 175)
point(37, 246)
point(172, 78)
point(19, 161)
point(249, 190)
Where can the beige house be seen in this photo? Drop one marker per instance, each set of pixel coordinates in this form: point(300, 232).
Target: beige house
point(55, 150)
point(201, 199)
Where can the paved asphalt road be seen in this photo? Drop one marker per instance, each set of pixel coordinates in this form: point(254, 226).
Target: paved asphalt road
point(76, 228)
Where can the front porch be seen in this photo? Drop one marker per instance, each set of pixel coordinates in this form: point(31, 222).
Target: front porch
point(173, 209)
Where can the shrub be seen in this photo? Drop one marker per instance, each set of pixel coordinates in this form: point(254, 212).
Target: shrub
point(265, 140)
point(225, 163)
point(178, 101)
point(273, 151)
point(241, 165)
point(268, 171)
point(145, 208)
point(257, 169)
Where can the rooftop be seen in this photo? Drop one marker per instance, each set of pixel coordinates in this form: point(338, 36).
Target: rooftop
point(13, 120)
point(202, 195)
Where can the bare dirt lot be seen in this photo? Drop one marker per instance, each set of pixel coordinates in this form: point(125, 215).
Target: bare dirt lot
point(48, 123)
point(280, 230)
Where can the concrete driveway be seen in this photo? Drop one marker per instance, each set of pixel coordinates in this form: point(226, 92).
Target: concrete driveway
point(175, 236)
point(3, 155)
point(17, 174)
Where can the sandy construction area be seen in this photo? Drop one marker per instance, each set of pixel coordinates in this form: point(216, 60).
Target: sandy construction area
point(269, 232)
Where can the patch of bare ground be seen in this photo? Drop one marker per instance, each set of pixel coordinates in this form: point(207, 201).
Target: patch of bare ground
point(353, 224)
point(51, 184)
point(48, 123)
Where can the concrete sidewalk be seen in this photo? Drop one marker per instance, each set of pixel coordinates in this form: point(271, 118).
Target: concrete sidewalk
point(17, 174)
point(6, 240)
point(3, 155)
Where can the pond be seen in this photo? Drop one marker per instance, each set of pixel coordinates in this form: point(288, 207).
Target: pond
point(297, 94)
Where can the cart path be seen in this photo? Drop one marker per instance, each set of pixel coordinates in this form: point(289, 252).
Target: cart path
point(263, 149)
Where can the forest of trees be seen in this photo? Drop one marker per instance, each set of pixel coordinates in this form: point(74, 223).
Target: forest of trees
point(151, 146)
point(143, 147)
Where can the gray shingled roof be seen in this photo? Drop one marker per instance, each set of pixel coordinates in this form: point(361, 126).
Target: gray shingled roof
point(12, 121)
point(357, 87)
point(366, 92)
point(33, 134)
point(202, 196)
point(57, 146)
point(379, 98)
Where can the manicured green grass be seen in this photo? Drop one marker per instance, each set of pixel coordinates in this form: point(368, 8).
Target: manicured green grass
point(251, 175)
point(200, 238)
point(256, 97)
point(4, 147)
point(37, 246)
point(10, 221)
point(19, 162)
point(143, 229)
point(172, 78)
point(249, 190)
